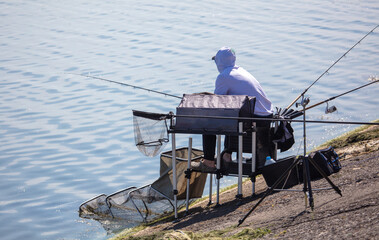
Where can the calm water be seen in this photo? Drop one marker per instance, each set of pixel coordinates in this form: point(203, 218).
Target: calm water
point(66, 138)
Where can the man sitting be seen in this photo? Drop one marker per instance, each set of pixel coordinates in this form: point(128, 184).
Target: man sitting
point(232, 80)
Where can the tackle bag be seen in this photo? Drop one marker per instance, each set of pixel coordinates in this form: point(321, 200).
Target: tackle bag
point(283, 136)
point(327, 159)
point(274, 171)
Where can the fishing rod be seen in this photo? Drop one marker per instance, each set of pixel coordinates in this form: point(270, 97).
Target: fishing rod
point(302, 94)
point(170, 116)
point(374, 80)
point(126, 84)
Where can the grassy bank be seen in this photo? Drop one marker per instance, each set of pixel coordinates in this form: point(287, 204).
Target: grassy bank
point(363, 133)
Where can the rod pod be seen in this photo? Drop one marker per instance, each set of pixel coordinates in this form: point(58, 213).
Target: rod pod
point(302, 94)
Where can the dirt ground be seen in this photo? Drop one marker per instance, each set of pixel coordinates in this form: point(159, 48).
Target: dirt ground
point(355, 215)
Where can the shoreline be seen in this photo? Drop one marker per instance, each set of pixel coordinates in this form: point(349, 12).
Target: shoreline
point(283, 215)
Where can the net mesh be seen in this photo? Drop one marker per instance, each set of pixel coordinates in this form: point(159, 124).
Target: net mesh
point(132, 206)
point(95, 208)
point(150, 132)
point(140, 205)
point(128, 207)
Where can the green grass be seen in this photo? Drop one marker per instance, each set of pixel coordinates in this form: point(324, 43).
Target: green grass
point(359, 134)
point(248, 233)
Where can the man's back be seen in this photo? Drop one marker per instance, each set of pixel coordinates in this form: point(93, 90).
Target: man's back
point(237, 81)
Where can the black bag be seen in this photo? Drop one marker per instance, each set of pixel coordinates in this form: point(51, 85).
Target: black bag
point(283, 136)
point(273, 172)
point(327, 160)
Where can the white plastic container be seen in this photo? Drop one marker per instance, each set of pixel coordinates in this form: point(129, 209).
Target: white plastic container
point(269, 161)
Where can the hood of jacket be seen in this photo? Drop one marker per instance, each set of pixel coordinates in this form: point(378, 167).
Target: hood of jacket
point(225, 58)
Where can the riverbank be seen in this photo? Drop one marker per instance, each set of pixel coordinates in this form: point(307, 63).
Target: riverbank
point(283, 215)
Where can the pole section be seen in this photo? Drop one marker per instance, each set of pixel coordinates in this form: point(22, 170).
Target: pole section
point(188, 168)
point(174, 180)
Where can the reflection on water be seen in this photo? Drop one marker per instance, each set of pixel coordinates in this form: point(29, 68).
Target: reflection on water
point(65, 138)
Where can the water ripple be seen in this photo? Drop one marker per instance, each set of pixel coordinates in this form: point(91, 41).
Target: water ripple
point(66, 138)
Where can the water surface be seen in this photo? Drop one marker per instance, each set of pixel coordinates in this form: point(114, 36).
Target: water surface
point(65, 138)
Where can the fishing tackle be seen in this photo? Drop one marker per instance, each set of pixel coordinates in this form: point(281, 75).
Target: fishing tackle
point(333, 108)
point(171, 95)
point(126, 84)
point(302, 94)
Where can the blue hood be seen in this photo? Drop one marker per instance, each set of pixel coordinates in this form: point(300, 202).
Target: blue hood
point(225, 58)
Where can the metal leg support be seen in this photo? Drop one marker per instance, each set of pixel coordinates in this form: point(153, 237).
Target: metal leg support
point(306, 175)
point(174, 177)
point(218, 166)
point(189, 173)
point(210, 188)
point(240, 145)
point(253, 158)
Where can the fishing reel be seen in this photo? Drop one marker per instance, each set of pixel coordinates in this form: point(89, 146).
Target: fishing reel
point(304, 102)
point(331, 109)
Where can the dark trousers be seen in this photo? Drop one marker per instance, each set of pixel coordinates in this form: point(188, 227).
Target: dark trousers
point(209, 146)
point(209, 141)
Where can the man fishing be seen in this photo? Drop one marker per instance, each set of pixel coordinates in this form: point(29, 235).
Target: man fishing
point(232, 80)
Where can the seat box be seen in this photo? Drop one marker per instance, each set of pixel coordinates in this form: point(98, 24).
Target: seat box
point(205, 114)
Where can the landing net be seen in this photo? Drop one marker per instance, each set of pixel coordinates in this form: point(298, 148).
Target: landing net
point(150, 132)
point(134, 205)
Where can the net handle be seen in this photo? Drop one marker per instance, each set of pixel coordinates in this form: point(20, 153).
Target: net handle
point(149, 115)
